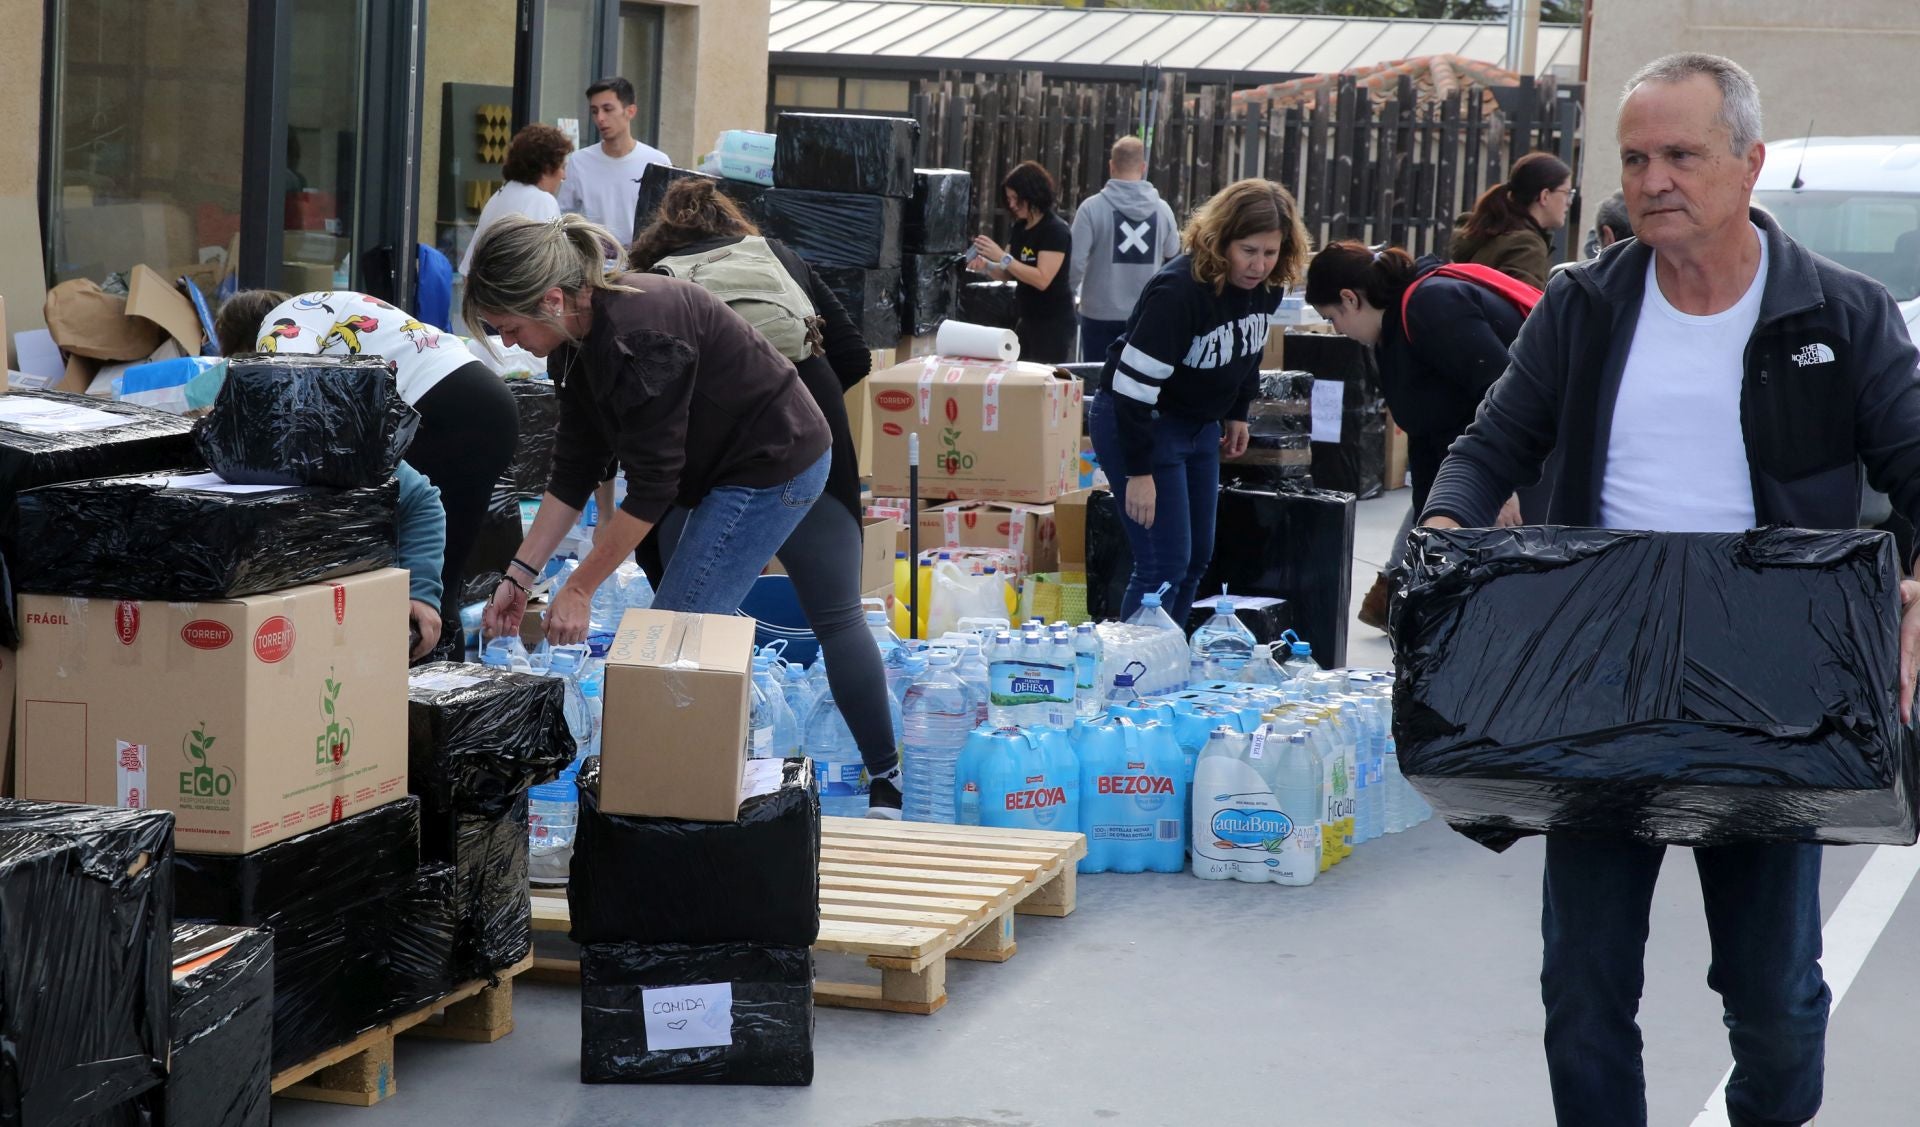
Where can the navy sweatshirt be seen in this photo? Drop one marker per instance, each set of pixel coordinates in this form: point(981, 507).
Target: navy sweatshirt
point(1187, 353)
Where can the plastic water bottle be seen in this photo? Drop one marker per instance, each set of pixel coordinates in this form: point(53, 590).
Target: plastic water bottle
point(1154, 616)
point(1087, 655)
point(1338, 787)
point(798, 690)
point(1297, 776)
point(837, 765)
point(891, 651)
point(1223, 645)
point(939, 713)
point(565, 664)
point(1064, 703)
point(1263, 669)
point(553, 810)
point(786, 729)
point(1235, 813)
point(592, 682)
point(506, 653)
point(973, 669)
point(1299, 660)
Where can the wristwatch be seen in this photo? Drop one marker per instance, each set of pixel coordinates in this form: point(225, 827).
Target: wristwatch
point(1006, 262)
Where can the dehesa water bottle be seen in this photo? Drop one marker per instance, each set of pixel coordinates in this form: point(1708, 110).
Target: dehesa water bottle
point(938, 714)
point(837, 765)
point(1222, 646)
point(1133, 800)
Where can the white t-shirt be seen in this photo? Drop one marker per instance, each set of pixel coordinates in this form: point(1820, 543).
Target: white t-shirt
point(1677, 457)
point(513, 198)
point(344, 323)
point(606, 189)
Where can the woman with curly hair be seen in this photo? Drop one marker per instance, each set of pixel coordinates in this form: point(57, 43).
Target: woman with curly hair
point(535, 167)
point(1175, 397)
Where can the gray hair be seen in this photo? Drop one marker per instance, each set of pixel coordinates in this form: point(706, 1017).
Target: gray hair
point(1739, 96)
point(518, 260)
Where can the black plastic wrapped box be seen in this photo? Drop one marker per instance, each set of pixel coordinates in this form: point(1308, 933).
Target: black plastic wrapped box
point(478, 737)
point(490, 901)
point(188, 537)
point(328, 985)
point(1295, 544)
point(524, 479)
point(1676, 688)
point(987, 303)
point(221, 1072)
point(1356, 464)
point(831, 152)
point(940, 215)
point(657, 178)
point(417, 928)
point(297, 419)
point(834, 228)
point(85, 1033)
point(734, 1013)
point(871, 298)
point(928, 284)
point(661, 880)
point(50, 436)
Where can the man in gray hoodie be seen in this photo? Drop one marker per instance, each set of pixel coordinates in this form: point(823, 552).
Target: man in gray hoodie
point(1121, 236)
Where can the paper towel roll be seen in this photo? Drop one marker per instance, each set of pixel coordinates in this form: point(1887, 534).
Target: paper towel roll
point(957, 338)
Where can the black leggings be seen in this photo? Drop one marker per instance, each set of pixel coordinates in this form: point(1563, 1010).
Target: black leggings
point(468, 428)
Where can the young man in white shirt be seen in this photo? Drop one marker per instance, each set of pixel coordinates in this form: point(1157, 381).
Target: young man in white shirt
point(603, 180)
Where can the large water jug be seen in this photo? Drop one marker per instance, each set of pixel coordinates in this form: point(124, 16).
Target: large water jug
point(1223, 646)
point(1299, 660)
point(1133, 797)
point(1237, 824)
point(938, 714)
point(837, 766)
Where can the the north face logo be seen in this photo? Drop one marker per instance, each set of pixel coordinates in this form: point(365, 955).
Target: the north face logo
point(1813, 354)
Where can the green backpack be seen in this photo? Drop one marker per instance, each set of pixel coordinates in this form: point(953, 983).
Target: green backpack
point(750, 279)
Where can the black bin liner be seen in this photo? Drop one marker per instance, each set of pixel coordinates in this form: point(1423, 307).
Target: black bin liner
point(490, 903)
point(314, 892)
point(928, 282)
point(221, 1073)
point(478, 737)
point(525, 479)
point(871, 298)
point(834, 228)
point(831, 152)
point(987, 303)
point(1677, 688)
point(85, 957)
point(295, 419)
point(771, 1014)
point(1109, 557)
point(1296, 544)
point(658, 177)
point(659, 880)
point(940, 215)
point(138, 538)
point(418, 930)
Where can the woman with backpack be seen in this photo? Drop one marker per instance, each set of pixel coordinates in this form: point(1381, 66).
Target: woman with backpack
point(700, 235)
point(1511, 226)
point(1440, 335)
point(721, 446)
point(1035, 257)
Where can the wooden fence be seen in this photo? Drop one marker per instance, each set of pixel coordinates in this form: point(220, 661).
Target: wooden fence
point(1397, 169)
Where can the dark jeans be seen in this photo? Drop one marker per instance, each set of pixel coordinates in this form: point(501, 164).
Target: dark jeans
point(1763, 916)
point(1096, 337)
point(469, 424)
point(1186, 481)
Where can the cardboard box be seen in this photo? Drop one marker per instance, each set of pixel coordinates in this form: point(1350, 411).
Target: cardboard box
point(9, 671)
point(878, 536)
point(674, 741)
point(1025, 530)
point(253, 720)
point(988, 431)
point(1070, 530)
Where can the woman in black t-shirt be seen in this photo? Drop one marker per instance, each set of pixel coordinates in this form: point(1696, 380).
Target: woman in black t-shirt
point(1036, 257)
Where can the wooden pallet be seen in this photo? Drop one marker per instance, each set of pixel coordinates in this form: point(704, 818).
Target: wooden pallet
point(907, 896)
point(360, 1072)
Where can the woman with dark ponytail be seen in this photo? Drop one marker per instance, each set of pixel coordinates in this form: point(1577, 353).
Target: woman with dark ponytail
point(1510, 227)
point(1439, 350)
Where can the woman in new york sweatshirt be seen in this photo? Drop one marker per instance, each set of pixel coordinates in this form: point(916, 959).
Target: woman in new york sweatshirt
point(1174, 398)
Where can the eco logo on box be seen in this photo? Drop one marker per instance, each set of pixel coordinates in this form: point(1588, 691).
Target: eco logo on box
point(208, 786)
point(330, 748)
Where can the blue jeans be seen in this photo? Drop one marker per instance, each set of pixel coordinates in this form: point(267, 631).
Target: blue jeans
point(1186, 482)
point(1096, 337)
point(1763, 916)
point(716, 550)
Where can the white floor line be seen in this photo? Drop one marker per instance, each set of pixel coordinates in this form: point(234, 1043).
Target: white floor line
point(1847, 938)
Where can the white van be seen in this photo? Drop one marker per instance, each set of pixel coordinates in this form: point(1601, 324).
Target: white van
point(1855, 200)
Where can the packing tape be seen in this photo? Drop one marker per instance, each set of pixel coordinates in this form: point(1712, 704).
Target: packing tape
point(686, 658)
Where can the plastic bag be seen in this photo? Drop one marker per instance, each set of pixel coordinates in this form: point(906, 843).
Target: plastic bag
point(296, 419)
point(220, 1073)
point(871, 298)
point(834, 228)
point(830, 152)
point(987, 303)
point(478, 737)
point(85, 959)
point(183, 537)
point(767, 1008)
point(490, 892)
point(940, 215)
point(1294, 544)
point(958, 594)
point(1689, 689)
point(418, 929)
point(654, 880)
point(50, 436)
point(524, 479)
point(928, 283)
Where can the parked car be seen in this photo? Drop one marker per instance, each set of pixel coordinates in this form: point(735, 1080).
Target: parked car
point(1855, 200)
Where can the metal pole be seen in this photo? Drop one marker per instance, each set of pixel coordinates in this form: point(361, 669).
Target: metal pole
point(913, 536)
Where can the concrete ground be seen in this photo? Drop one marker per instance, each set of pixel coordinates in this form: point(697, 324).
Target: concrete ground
point(1400, 990)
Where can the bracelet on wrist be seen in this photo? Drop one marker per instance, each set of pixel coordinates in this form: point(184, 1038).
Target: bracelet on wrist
point(517, 585)
point(524, 566)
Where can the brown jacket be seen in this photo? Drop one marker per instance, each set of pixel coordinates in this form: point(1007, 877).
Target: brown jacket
point(1525, 253)
point(683, 395)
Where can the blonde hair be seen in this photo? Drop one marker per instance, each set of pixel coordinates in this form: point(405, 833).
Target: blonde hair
point(518, 260)
point(1238, 211)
